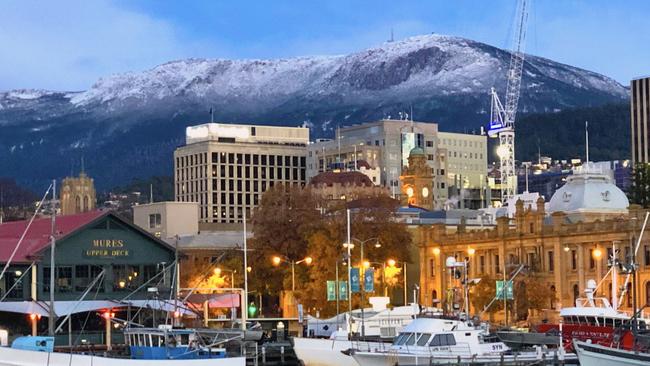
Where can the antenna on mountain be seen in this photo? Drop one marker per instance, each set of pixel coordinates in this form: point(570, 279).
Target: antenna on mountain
point(539, 153)
point(392, 38)
point(411, 105)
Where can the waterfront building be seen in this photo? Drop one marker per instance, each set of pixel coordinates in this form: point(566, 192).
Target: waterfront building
point(640, 119)
point(566, 244)
point(86, 244)
point(78, 195)
point(227, 167)
point(458, 162)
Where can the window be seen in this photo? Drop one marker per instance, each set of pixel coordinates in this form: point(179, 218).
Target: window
point(424, 339)
point(429, 156)
point(432, 267)
point(64, 279)
point(574, 260)
point(646, 255)
point(155, 221)
point(11, 279)
point(481, 261)
point(443, 340)
point(497, 262)
point(429, 143)
point(592, 261)
point(551, 261)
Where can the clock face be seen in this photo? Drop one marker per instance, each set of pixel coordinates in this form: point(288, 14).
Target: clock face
point(425, 192)
point(409, 191)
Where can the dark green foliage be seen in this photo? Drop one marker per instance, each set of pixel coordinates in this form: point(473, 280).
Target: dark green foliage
point(640, 191)
point(562, 135)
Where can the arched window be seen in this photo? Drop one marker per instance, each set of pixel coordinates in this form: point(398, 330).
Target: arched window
point(553, 296)
point(576, 293)
point(77, 204)
point(86, 204)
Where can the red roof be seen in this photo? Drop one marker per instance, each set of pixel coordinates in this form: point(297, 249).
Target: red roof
point(37, 237)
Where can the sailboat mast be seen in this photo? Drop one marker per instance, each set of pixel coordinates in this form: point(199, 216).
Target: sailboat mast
point(51, 319)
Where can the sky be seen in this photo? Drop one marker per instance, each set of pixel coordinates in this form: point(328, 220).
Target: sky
point(68, 44)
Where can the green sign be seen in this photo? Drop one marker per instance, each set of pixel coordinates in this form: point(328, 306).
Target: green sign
point(509, 295)
point(331, 290)
point(343, 290)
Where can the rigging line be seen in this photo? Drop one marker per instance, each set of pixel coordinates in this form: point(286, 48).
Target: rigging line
point(17, 282)
point(146, 303)
point(146, 283)
point(22, 237)
point(83, 296)
point(205, 276)
point(83, 326)
point(173, 287)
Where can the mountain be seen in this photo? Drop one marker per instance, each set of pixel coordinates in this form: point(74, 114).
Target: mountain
point(127, 125)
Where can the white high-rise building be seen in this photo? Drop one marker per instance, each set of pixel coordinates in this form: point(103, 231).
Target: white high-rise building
point(227, 167)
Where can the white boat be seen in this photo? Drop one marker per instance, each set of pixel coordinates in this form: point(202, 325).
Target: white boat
point(591, 354)
point(329, 352)
point(442, 341)
point(379, 323)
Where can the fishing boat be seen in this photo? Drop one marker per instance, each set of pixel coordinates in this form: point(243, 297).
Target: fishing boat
point(146, 347)
point(591, 354)
point(443, 341)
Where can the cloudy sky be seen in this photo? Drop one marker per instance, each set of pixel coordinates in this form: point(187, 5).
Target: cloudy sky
point(69, 44)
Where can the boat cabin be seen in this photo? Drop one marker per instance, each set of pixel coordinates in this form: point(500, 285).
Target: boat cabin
point(166, 343)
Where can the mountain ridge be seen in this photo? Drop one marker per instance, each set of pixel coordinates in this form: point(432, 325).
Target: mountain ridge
point(443, 79)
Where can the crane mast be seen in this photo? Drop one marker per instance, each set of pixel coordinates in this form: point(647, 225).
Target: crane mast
point(502, 118)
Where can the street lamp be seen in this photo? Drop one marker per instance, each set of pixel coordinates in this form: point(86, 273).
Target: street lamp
point(279, 259)
point(219, 270)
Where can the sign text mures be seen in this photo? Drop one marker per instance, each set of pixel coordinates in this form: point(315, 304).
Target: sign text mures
point(107, 248)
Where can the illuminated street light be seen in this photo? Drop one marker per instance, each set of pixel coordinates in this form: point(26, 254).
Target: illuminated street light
point(597, 253)
point(436, 251)
point(502, 151)
point(277, 260)
point(471, 251)
point(391, 262)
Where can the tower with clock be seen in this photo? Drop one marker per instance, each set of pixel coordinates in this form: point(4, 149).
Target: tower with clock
point(417, 181)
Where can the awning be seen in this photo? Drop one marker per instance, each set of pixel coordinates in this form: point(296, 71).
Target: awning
point(64, 308)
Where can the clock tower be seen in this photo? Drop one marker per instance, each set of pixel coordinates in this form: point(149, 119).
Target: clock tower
point(417, 181)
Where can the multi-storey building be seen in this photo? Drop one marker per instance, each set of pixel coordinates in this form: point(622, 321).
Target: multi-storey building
point(640, 119)
point(386, 145)
point(227, 167)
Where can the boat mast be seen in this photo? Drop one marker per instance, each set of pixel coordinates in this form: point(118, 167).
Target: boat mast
point(52, 315)
point(614, 277)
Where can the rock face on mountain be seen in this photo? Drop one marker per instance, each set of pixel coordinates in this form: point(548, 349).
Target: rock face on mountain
point(127, 125)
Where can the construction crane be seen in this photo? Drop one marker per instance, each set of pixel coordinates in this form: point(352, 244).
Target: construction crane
point(502, 119)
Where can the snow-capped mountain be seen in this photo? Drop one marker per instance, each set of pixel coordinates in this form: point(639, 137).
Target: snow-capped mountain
point(127, 125)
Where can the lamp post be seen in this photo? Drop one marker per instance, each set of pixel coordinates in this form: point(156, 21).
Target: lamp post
point(349, 246)
point(392, 263)
point(279, 259)
point(219, 270)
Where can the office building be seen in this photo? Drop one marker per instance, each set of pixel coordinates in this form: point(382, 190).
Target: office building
point(227, 167)
point(458, 161)
point(640, 119)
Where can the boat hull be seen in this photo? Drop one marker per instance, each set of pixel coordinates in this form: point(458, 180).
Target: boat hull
point(328, 352)
point(17, 357)
point(598, 355)
point(391, 359)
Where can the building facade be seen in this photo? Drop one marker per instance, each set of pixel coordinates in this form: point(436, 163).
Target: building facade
point(87, 244)
point(640, 119)
point(78, 195)
point(417, 181)
point(386, 145)
point(227, 167)
point(167, 219)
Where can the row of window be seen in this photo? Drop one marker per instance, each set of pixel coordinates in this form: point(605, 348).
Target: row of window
point(77, 278)
point(464, 143)
point(259, 159)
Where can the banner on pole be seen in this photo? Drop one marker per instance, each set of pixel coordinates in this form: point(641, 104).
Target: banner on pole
point(331, 290)
point(369, 280)
point(343, 290)
point(355, 279)
point(508, 294)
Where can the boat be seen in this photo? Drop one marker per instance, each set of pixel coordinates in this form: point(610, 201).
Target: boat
point(147, 347)
point(591, 354)
point(444, 340)
point(380, 325)
point(516, 339)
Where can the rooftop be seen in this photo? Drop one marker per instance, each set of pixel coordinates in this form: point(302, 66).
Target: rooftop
point(345, 178)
